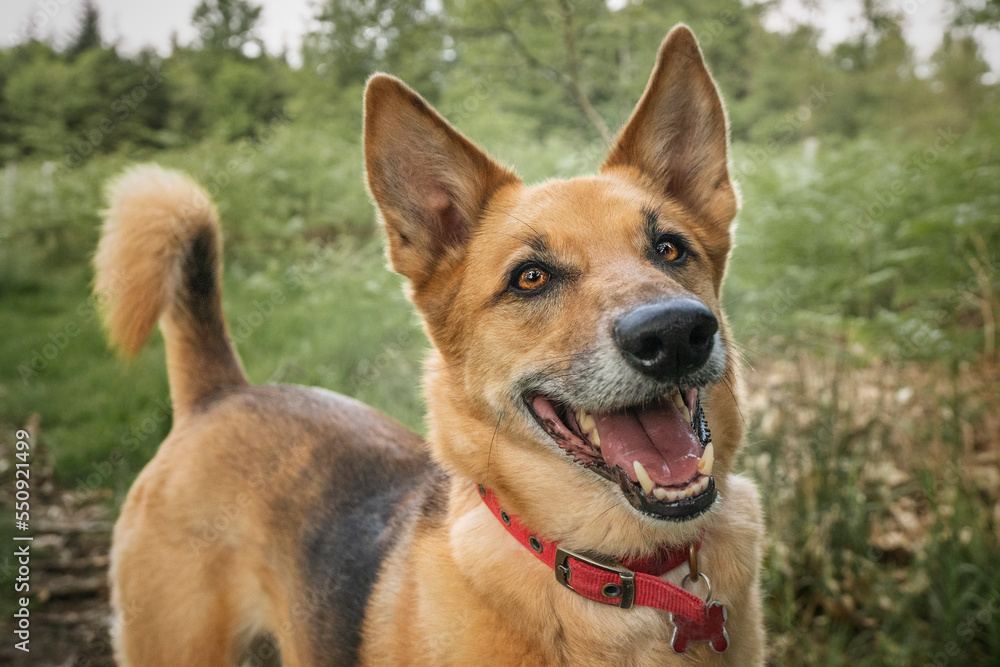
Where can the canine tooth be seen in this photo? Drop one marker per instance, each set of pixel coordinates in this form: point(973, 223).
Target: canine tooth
point(586, 421)
point(595, 437)
point(706, 460)
point(644, 480)
point(703, 484)
point(660, 493)
point(681, 407)
point(673, 495)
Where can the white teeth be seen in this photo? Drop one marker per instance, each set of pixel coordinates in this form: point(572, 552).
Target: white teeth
point(644, 479)
point(706, 461)
point(693, 489)
point(681, 407)
point(595, 438)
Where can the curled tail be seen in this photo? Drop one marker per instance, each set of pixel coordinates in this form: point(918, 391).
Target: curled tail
point(159, 258)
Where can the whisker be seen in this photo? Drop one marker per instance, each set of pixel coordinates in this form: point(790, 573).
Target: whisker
point(489, 455)
point(511, 215)
point(728, 384)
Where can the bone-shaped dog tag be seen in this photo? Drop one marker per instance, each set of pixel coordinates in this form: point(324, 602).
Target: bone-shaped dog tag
point(713, 630)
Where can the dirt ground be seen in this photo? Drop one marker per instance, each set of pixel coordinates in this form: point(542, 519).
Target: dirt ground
point(70, 613)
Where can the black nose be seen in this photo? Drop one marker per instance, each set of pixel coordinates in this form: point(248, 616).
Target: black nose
point(667, 339)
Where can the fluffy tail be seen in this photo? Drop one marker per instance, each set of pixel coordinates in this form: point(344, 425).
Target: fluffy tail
point(160, 259)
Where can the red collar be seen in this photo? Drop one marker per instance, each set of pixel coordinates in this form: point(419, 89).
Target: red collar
point(633, 582)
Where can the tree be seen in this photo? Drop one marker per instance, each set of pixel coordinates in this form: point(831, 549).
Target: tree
point(88, 32)
point(227, 25)
point(579, 64)
point(359, 37)
point(977, 12)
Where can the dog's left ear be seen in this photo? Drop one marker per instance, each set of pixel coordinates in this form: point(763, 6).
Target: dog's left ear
point(677, 134)
point(430, 183)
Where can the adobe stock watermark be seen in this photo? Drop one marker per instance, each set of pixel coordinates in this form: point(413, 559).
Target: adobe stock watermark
point(916, 165)
point(30, 25)
point(137, 433)
point(215, 182)
point(709, 31)
point(762, 322)
point(121, 108)
point(293, 279)
point(59, 339)
point(369, 371)
point(460, 111)
point(921, 337)
point(785, 130)
point(966, 632)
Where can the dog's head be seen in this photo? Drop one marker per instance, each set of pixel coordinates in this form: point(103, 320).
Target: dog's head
point(580, 350)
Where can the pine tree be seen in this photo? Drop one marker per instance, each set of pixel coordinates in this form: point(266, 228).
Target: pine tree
point(88, 32)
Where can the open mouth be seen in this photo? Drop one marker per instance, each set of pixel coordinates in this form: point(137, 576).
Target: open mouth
point(660, 453)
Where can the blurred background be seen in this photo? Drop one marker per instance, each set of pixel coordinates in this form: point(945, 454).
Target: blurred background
point(863, 291)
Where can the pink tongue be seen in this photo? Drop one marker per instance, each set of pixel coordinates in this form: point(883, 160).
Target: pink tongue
point(658, 437)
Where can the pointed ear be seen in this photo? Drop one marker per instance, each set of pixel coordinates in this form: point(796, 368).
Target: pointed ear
point(430, 183)
point(677, 134)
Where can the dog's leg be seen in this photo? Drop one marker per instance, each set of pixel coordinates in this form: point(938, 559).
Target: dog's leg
point(170, 615)
point(159, 259)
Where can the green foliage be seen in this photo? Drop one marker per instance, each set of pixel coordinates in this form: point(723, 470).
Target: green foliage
point(978, 12)
point(104, 102)
point(107, 102)
point(245, 93)
point(867, 242)
point(88, 34)
point(551, 67)
point(874, 241)
point(306, 207)
point(359, 37)
point(227, 25)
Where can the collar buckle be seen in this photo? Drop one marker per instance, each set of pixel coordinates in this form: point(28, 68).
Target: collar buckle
point(625, 591)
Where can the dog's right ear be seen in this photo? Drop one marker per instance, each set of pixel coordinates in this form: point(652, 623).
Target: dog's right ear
point(430, 183)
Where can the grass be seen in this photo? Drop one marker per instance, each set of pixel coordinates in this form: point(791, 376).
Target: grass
point(873, 415)
point(882, 543)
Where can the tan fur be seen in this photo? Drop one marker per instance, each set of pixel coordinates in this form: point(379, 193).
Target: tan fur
point(201, 553)
point(150, 210)
point(153, 214)
point(486, 589)
point(217, 541)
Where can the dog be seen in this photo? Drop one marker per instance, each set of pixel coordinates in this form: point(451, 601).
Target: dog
point(574, 502)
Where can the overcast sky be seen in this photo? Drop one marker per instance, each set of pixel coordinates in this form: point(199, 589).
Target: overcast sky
point(133, 24)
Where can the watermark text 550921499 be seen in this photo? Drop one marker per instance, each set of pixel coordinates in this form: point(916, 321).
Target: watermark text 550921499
point(22, 541)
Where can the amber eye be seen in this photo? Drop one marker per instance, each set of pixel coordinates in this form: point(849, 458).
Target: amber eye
point(532, 278)
point(669, 250)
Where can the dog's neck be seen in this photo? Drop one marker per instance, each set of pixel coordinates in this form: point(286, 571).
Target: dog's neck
point(625, 583)
point(658, 563)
